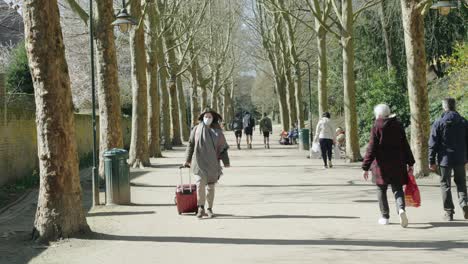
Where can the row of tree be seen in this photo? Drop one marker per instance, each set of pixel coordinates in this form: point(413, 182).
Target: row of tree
point(280, 24)
point(182, 56)
point(174, 43)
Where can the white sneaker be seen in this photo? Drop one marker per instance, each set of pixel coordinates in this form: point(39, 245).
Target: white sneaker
point(403, 218)
point(384, 221)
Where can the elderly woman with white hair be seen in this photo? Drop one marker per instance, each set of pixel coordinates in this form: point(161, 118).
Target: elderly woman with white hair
point(390, 158)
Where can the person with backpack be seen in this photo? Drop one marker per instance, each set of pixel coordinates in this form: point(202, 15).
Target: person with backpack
point(249, 127)
point(448, 143)
point(207, 147)
point(266, 128)
point(237, 126)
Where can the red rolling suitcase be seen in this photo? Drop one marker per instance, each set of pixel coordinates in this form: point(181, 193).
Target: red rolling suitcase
point(186, 195)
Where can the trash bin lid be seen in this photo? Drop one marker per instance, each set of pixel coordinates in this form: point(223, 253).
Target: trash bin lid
point(115, 152)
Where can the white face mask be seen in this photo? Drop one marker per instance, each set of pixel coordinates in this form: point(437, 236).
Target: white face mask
point(207, 121)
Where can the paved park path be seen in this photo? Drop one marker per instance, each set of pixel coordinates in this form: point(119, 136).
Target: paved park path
point(273, 206)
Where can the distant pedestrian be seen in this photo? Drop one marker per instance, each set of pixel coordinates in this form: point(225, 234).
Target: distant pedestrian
point(390, 158)
point(249, 127)
point(207, 146)
point(325, 135)
point(266, 127)
point(448, 143)
point(237, 126)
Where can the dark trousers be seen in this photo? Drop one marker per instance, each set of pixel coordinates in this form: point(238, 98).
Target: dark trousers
point(326, 146)
point(459, 176)
point(397, 190)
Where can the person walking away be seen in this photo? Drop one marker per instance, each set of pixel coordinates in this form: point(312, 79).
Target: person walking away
point(390, 157)
point(448, 148)
point(237, 126)
point(325, 135)
point(207, 146)
point(266, 127)
point(249, 127)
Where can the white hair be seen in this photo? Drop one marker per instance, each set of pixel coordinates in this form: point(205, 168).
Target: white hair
point(381, 110)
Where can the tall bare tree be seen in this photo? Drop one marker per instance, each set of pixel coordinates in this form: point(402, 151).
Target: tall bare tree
point(139, 155)
point(154, 105)
point(413, 24)
point(110, 118)
point(59, 210)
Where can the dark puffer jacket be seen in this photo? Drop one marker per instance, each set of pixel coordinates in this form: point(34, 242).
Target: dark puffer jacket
point(448, 140)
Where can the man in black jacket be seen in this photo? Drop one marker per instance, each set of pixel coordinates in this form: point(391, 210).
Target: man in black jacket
point(448, 143)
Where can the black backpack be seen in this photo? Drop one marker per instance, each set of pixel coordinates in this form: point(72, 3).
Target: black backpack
point(236, 124)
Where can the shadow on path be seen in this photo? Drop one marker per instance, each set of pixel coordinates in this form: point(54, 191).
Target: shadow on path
point(119, 213)
point(422, 245)
point(155, 205)
point(432, 225)
point(230, 216)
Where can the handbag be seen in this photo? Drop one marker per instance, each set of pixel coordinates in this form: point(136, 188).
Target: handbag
point(315, 147)
point(412, 193)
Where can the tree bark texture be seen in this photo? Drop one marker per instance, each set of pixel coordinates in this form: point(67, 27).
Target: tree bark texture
point(166, 122)
point(139, 155)
point(183, 110)
point(194, 106)
point(322, 68)
point(385, 34)
point(413, 25)
point(154, 105)
point(294, 58)
point(173, 94)
point(59, 211)
point(110, 117)
point(352, 140)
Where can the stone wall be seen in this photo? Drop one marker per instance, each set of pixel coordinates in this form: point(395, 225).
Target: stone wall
point(18, 141)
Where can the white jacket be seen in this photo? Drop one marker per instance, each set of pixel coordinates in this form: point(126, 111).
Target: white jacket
point(325, 129)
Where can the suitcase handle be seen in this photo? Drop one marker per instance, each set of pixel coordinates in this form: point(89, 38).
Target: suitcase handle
point(181, 177)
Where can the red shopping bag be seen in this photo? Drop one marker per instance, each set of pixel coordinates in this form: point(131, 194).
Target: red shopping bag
point(412, 194)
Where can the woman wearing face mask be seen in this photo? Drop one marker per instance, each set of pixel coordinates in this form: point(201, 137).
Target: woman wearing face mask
point(207, 146)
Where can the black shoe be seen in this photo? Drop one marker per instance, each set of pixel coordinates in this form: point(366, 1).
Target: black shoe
point(448, 216)
point(238, 146)
point(465, 210)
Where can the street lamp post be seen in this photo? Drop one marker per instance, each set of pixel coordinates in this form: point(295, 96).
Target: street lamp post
point(124, 22)
point(310, 107)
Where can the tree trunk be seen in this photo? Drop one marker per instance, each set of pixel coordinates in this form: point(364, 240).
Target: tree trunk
point(195, 108)
point(385, 34)
point(182, 110)
point(413, 24)
point(174, 97)
point(322, 68)
point(154, 104)
point(204, 97)
point(294, 58)
point(352, 140)
point(291, 98)
point(166, 141)
point(59, 211)
point(110, 117)
point(174, 102)
point(283, 104)
point(214, 100)
point(139, 156)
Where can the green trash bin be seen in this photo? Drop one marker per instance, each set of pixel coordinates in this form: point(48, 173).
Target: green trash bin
point(304, 139)
point(117, 172)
